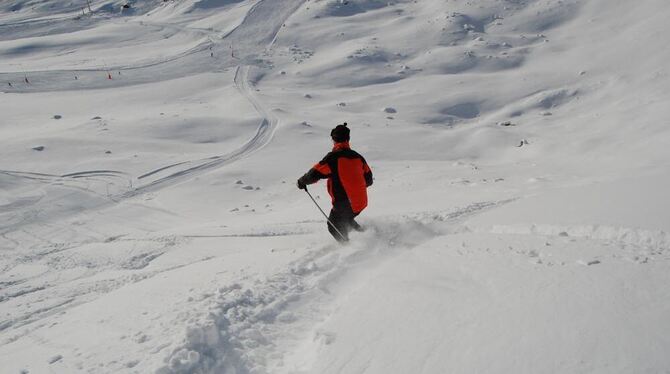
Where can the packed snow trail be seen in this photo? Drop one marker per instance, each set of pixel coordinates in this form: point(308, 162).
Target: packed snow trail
point(156, 179)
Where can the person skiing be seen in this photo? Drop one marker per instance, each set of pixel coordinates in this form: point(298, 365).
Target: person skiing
point(348, 176)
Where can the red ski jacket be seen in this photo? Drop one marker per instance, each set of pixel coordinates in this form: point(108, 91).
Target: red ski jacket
point(348, 177)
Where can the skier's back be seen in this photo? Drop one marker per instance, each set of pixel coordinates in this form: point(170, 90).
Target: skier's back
point(348, 177)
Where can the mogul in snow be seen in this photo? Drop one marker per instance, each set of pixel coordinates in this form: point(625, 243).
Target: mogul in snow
point(348, 176)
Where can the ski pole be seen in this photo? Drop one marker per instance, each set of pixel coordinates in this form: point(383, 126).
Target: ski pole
point(324, 214)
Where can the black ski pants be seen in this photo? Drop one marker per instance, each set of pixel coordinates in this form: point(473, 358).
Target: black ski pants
point(343, 220)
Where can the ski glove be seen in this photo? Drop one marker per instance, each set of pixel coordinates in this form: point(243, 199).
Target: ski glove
point(301, 185)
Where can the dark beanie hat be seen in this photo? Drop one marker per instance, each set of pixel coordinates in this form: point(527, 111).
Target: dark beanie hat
point(340, 133)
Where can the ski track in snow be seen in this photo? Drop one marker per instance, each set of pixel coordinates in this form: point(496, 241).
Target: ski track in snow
point(262, 137)
point(191, 169)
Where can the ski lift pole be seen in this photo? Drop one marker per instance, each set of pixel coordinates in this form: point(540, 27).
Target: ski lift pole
point(324, 214)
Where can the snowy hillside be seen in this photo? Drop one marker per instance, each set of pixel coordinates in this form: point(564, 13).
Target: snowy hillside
point(519, 221)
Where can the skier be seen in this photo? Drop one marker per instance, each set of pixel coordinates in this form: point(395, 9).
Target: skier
point(348, 176)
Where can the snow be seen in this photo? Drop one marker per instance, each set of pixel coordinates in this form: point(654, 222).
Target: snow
point(149, 219)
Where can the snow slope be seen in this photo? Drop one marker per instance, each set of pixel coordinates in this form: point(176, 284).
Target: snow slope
point(518, 222)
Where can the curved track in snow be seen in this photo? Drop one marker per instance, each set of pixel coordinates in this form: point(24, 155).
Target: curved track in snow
point(252, 27)
point(156, 179)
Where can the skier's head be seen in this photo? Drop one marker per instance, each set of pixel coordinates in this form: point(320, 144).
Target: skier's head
point(340, 133)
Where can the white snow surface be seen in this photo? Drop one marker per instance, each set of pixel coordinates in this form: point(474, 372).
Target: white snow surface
point(519, 221)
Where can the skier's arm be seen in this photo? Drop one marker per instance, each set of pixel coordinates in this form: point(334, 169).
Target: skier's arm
point(367, 173)
point(319, 171)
